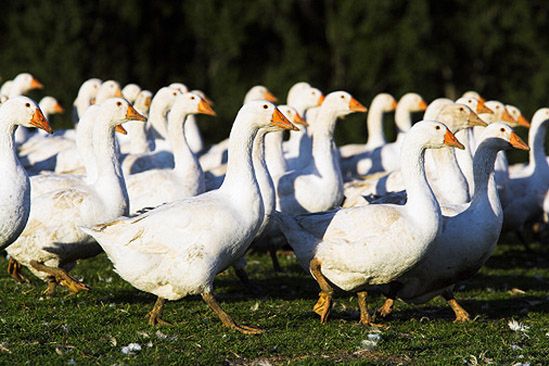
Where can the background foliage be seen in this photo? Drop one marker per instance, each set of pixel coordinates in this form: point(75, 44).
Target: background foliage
point(436, 48)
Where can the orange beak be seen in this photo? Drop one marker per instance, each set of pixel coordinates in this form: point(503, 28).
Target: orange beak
point(355, 106)
point(118, 93)
point(209, 101)
point(394, 105)
point(205, 108)
point(422, 105)
point(147, 102)
point(57, 108)
point(523, 121)
point(92, 101)
point(450, 140)
point(506, 117)
point(38, 120)
point(120, 129)
point(475, 120)
point(482, 108)
point(300, 120)
point(268, 96)
point(35, 84)
point(279, 120)
point(133, 115)
point(517, 142)
point(320, 100)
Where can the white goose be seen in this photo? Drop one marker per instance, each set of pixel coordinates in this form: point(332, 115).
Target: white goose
point(186, 179)
point(85, 97)
point(192, 132)
point(51, 242)
point(177, 249)
point(137, 141)
point(382, 103)
point(373, 244)
point(385, 157)
point(20, 85)
point(160, 105)
point(468, 237)
point(526, 189)
point(130, 92)
point(15, 188)
point(318, 186)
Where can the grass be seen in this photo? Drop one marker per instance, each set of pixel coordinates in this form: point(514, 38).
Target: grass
point(91, 328)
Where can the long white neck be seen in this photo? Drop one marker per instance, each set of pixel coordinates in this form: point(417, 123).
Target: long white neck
point(9, 161)
point(186, 164)
point(486, 191)
point(84, 142)
point(296, 137)
point(374, 124)
point(536, 139)
point(264, 180)
point(240, 182)
point(193, 134)
point(465, 157)
point(138, 137)
point(274, 156)
point(157, 118)
point(109, 185)
point(403, 119)
point(451, 184)
point(421, 204)
point(324, 159)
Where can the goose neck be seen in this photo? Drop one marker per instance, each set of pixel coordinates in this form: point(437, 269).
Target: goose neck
point(184, 159)
point(374, 124)
point(274, 156)
point(403, 120)
point(536, 141)
point(7, 146)
point(192, 132)
point(483, 167)
point(263, 177)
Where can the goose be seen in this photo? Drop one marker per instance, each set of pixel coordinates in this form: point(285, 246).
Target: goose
point(52, 242)
point(130, 92)
point(192, 132)
point(318, 186)
point(468, 236)
point(186, 179)
point(85, 98)
point(108, 89)
point(382, 103)
point(359, 247)
point(450, 187)
point(301, 96)
point(21, 84)
point(385, 157)
point(177, 249)
point(160, 105)
point(15, 188)
point(526, 189)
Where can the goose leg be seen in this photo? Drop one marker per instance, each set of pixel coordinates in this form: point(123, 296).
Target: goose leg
point(155, 314)
point(365, 318)
point(324, 304)
point(52, 285)
point(61, 277)
point(274, 259)
point(225, 318)
point(387, 307)
point(461, 314)
point(14, 269)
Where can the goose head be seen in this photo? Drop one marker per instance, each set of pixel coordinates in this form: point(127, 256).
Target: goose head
point(502, 137)
point(500, 113)
point(130, 92)
point(383, 102)
point(116, 111)
point(25, 112)
point(259, 92)
point(143, 102)
point(164, 98)
point(458, 117)
point(109, 89)
point(539, 118)
point(411, 102)
point(474, 95)
point(180, 87)
point(203, 95)
point(26, 82)
point(342, 103)
point(433, 135)
point(88, 91)
point(265, 115)
point(475, 104)
point(50, 105)
point(189, 103)
point(517, 115)
point(292, 115)
point(295, 90)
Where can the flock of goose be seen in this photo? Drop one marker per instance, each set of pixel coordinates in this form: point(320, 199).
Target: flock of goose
point(408, 218)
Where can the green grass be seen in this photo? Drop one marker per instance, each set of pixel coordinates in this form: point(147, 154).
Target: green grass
point(91, 328)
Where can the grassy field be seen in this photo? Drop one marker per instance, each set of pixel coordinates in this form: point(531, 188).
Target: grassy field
point(92, 328)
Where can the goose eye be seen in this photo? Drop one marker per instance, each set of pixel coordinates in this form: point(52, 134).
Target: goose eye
point(502, 129)
point(497, 107)
point(27, 105)
point(461, 109)
point(265, 106)
point(192, 98)
point(118, 104)
point(174, 93)
point(437, 127)
point(343, 97)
